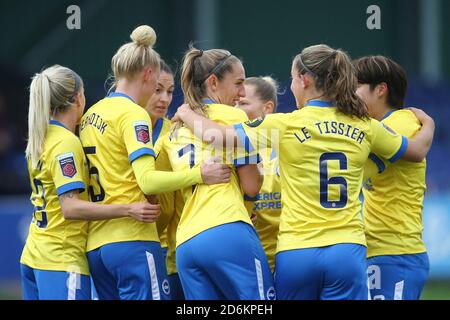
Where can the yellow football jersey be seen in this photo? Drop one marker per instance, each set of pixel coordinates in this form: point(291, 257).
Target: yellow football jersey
point(54, 243)
point(172, 233)
point(322, 154)
point(267, 205)
point(114, 132)
point(208, 206)
point(393, 200)
point(166, 200)
point(171, 202)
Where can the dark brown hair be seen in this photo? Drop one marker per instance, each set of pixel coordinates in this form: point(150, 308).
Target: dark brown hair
point(374, 70)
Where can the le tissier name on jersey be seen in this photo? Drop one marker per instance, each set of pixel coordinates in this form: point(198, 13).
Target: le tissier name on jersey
point(332, 127)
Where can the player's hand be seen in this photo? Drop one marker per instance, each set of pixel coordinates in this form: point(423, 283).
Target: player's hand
point(214, 173)
point(178, 116)
point(422, 116)
point(144, 211)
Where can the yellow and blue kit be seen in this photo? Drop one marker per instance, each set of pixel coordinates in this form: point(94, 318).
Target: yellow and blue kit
point(393, 203)
point(53, 262)
point(125, 256)
point(218, 253)
point(267, 205)
point(171, 207)
point(322, 153)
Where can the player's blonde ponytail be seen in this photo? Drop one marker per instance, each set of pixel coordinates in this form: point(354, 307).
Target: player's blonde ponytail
point(136, 55)
point(51, 91)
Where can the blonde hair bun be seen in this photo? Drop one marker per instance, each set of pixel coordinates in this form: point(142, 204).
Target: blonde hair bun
point(271, 81)
point(144, 36)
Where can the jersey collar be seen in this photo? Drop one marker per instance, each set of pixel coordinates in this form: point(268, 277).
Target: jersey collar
point(209, 101)
point(120, 94)
point(157, 130)
point(319, 103)
point(387, 114)
point(57, 123)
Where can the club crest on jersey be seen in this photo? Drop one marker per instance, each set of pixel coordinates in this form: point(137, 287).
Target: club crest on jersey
point(67, 165)
point(142, 132)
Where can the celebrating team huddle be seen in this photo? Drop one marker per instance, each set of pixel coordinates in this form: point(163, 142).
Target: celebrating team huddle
point(229, 199)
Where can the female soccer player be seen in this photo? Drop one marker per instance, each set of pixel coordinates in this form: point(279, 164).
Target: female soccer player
point(171, 202)
point(157, 108)
point(261, 99)
point(322, 148)
point(398, 263)
point(124, 255)
point(53, 262)
point(218, 253)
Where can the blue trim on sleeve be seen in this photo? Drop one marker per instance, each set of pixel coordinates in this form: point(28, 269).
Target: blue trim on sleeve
point(157, 130)
point(378, 162)
point(120, 94)
point(400, 151)
point(248, 198)
point(253, 159)
point(140, 152)
point(243, 137)
point(78, 185)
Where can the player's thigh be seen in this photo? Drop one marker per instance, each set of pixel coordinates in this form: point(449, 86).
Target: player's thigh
point(195, 281)
point(240, 269)
point(345, 276)
point(105, 284)
point(28, 280)
point(139, 268)
point(60, 285)
point(298, 274)
point(399, 277)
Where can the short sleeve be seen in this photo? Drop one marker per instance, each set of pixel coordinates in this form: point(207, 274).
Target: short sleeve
point(135, 129)
point(241, 156)
point(262, 133)
point(67, 165)
point(386, 143)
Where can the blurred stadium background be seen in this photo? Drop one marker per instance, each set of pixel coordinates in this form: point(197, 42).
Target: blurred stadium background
point(265, 33)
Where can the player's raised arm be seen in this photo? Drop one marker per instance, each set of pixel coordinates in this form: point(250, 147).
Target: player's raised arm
point(204, 128)
point(420, 144)
point(152, 181)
